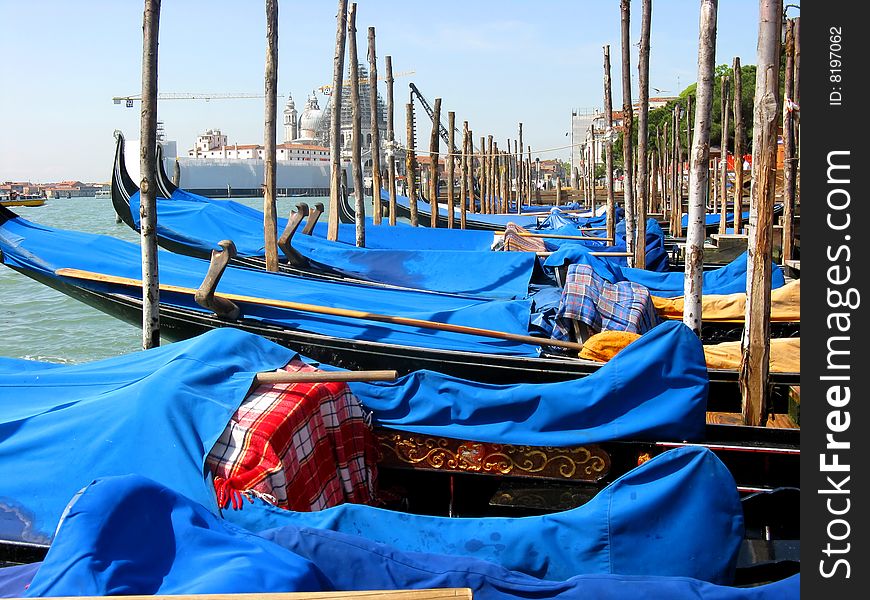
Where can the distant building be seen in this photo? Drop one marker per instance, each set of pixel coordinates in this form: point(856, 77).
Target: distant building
point(69, 189)
point(213, 144)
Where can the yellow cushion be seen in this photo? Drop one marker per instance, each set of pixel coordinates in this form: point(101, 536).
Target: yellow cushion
point(607, 344)
point(785, 305)
point(785, 355)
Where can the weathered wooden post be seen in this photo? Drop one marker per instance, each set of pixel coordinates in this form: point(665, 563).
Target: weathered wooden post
point(517, 175)
point(699, 168)
point(270, 217)
point(627, 133)
point(678, 173)
point(433, 164)
point(335, 169)
point(654, 177)
point(503, 171)
point(591, 175)
point(788, 165)
point(411, 163)
point(470, 207)
point(356, 131)
point(391, 140)
point(375, 130)
point(520, 173)
point(148, 184)
point(642, 135)
point(723, 184)
point(739, 136)
point(608, 150)
point(463, 176)
point(450, 164)
point(754, 366)
point(529, 178)
point(483, 177)
point(558, 190)
point(797, 93)
point(491, 175)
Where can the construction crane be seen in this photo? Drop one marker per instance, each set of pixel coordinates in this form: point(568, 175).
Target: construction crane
point(442, 130)
point(326, 90)
point(128, 100)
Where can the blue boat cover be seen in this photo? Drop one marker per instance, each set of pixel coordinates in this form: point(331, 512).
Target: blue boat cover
point(567, 251)
point(499, 220)
point(558, 218)
point(131, 535)
point(43, 249)
point(656, 388)
point(612, 533)
point(199, 223)
point(156, 413)
point(730, 279)
point(404, 237)
point(711, 219)
point(160, 411)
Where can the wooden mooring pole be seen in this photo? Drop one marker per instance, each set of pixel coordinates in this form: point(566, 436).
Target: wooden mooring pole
point(375, 146)
point(433, 164)
point(465, 178)
point(520, 172)
point(627, 133)
point(723, 163)
point(391, 140)
point(608, 149)
point(356, 131)
point(739, 136)
point(788, 146)
point(700, 167)
point(484, 177)
point(643, 134)
point(411, 163)
point(754, 366)
point(335, 122)
point(677, 175)
point(148, 184)
point(470, 160)
point(270, 217)
point(450, 164)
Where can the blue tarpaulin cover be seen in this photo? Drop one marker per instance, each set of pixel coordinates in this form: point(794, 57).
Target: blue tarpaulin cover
point(623, 529)
point(497, 220)
point(730, 279)
point(132, 535)
point(711, 219)
point(200, 223)
point(656, 388)
point(566, 251)
point(159, 412)
point(44, 249)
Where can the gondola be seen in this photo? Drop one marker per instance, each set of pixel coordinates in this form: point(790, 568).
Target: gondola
point(110, 283)
point(194, 225)
point(474, 221)
point(155, 414)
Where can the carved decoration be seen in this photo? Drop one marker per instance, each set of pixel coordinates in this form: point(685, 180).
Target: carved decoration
point(408, 450)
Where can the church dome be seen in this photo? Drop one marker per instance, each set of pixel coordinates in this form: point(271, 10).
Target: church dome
point(310, 118)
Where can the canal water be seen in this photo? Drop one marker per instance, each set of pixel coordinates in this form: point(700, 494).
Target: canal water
point(37, 322)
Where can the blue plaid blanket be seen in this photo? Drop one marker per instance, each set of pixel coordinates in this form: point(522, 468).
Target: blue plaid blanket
point(604, 306)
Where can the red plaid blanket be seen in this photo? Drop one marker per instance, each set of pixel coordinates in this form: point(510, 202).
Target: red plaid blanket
point(301, 446)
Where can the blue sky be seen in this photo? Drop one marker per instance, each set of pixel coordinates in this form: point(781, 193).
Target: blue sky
point(495, 63)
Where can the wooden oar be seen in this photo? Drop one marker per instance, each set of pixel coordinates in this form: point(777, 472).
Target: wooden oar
point(323, 376)
point(327, 310)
